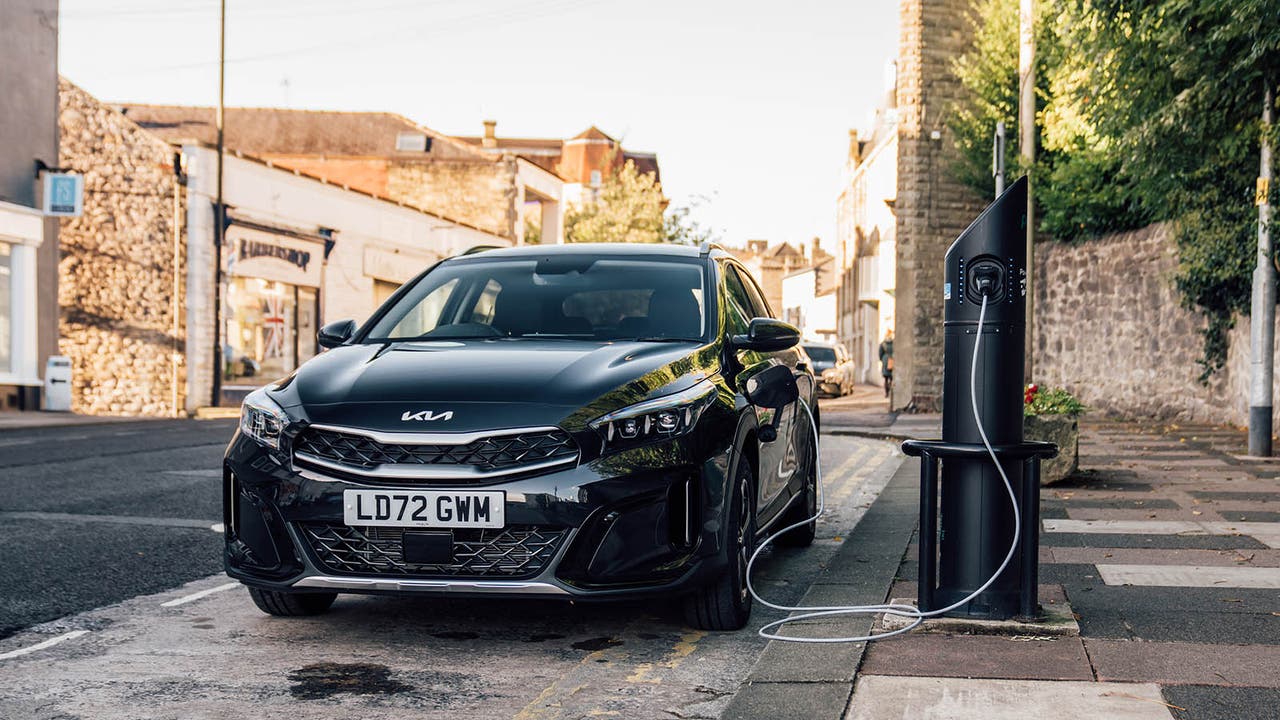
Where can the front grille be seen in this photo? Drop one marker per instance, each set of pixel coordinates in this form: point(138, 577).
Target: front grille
point(485, 455)
point(514, 552)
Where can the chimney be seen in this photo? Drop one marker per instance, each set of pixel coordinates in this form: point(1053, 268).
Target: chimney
point(490, 134)
point(757, 247)
point(816, 248)
point(855, 148)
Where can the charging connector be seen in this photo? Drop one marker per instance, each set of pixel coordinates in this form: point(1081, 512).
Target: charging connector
point(898, 609)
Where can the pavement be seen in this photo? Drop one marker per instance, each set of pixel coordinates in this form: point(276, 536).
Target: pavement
point(1164, 549)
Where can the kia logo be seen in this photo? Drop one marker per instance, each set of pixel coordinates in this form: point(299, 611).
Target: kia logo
point(426, 416)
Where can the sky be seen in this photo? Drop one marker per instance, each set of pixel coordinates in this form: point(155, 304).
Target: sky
point(748, 104)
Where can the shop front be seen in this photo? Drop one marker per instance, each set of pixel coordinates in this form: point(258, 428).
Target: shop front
point(21, 233)
point(271, 308)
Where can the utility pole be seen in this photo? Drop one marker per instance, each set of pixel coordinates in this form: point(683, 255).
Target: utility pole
point(219, 214)
point(997, 158)
point(1027, 149)
point(1262, 315)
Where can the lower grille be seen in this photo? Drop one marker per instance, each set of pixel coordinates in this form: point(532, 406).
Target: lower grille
point(515, 552)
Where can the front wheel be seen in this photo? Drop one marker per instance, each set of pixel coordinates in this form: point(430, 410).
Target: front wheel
point(725, 603)
point(287, 604)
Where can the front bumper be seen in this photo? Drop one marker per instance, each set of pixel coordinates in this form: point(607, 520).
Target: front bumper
point(640, 522)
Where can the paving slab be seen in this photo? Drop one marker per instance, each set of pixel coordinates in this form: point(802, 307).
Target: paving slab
point(1190, 576)
point(971, 656)
point(1214, 702)
point(878, 697)
point(1159, 556)
point(1180, 663)
point(1169, 542)
point(811, 701)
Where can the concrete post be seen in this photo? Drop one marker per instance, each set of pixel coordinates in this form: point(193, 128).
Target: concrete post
point(1262, 316)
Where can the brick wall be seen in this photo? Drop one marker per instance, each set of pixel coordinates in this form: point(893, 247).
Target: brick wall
point(117, 269)
point(931, 208)
point(482, 194)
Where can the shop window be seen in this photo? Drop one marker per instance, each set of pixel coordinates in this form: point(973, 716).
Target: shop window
point(271, 329)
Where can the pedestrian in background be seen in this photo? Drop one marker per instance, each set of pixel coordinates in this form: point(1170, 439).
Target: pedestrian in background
point(886, 361)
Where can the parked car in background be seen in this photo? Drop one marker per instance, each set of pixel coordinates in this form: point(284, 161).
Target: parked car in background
point(833, 367)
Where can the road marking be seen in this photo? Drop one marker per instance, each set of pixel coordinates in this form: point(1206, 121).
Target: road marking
point(196, 473)
point(1190, 576)
point(197, 595)
point(7, 443)
point(42, 645)
point(1267, 533)
point(683, 648)
point(114, 519)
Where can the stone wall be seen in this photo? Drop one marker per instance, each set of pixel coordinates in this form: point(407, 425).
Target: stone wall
point(118, 265)
point(1111, 328)
point(482, 194)
point(932, 209)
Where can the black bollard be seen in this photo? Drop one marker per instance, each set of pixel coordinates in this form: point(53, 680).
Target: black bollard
point(976, 520)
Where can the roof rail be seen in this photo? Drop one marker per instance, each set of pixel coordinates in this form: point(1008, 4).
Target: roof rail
point(707, 246)
point(480, 249)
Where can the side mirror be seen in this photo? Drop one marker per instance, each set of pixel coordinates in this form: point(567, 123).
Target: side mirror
point(767, 335)
point(336, 333)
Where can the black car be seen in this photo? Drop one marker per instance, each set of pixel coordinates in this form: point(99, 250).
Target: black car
point(568, 421)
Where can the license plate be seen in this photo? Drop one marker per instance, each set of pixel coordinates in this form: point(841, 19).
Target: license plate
point(424, 508)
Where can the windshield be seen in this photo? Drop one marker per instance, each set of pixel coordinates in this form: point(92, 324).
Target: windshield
point(821, 354)
point(571, 296)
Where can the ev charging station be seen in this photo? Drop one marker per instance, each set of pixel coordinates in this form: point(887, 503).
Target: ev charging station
point(982, 521)
point(979, 525)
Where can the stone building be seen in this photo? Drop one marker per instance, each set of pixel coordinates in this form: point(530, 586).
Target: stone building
point(28, 240)
point(122, 291)
point(931, 208)
point(809, 299)
point(583, 161)
point(382, 154)
point(141, 298)
point(900, 208)
point(866, 232)
point(769, 264)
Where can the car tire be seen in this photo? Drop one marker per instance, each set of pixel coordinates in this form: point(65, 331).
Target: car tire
point(725, 603)
point(807, 507)
point(287, 604)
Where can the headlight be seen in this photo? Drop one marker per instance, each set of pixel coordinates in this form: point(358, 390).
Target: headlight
point(654, 420)
point(262, 419)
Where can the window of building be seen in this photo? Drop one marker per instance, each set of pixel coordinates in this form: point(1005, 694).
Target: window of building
point(6, 310)
point(271, 329)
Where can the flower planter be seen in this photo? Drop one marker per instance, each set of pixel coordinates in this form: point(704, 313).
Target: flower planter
point(1061, 430)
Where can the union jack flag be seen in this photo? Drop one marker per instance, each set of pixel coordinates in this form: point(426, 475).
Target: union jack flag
point(273, 323)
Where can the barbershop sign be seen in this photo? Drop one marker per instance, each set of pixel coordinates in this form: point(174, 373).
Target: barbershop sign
point(260, 254)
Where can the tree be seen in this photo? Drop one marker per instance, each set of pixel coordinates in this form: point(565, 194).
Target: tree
point(1149, 110)
point(629, 208)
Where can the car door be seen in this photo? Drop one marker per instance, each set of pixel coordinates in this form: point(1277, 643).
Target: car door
point(778, 459)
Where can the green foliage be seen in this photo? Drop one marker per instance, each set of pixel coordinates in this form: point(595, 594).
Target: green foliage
point(532, 229)
point(629, 208)
point(1052, 401)
point(1148, 110)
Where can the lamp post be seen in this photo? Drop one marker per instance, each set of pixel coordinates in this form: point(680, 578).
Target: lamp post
point(219, 213)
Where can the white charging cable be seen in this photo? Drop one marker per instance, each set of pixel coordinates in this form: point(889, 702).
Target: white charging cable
point(899, 609)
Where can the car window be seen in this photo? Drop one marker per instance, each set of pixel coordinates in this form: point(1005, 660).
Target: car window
point(820, 353)
point(760, 308)
point(570, 296)
point(740, 311)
